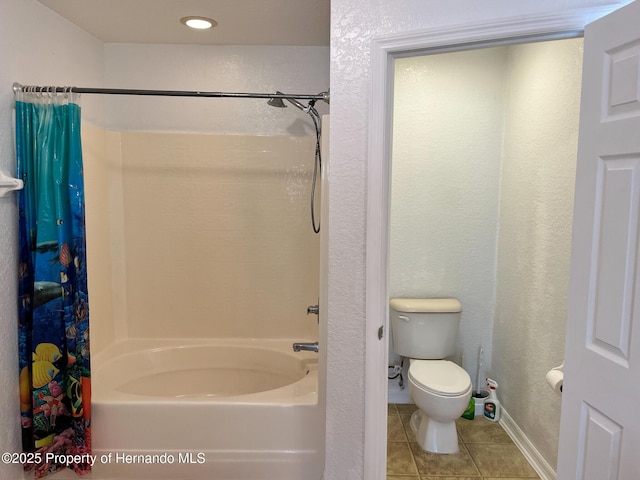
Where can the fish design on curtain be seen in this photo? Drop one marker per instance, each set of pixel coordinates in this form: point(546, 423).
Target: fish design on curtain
point(53, 330)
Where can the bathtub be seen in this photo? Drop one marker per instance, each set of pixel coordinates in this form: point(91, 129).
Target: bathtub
point(214, 409)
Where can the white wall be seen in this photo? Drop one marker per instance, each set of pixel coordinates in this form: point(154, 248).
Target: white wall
point(447, 143)
point(354, 25)
point(258, 69)
point(36, 47)
point(536, 213)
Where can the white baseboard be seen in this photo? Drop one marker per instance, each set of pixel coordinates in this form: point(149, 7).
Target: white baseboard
point(397, 395)
point(539, 464)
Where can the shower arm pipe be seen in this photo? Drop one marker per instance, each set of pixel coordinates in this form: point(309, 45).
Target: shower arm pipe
point(18, 88)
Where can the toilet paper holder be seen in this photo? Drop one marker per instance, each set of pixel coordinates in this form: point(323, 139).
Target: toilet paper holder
point(555, 378)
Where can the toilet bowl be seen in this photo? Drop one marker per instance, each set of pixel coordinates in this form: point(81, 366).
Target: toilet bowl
point(441, 390)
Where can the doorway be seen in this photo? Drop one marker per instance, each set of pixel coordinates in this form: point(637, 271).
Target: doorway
point(483, 165)
point(384, 50)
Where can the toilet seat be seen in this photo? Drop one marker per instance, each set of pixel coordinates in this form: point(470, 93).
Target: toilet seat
point(439, 377)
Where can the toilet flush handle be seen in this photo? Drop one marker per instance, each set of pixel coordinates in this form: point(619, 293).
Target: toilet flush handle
point(404, 317)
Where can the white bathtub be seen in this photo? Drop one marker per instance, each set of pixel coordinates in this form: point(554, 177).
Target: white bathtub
point(216, 409)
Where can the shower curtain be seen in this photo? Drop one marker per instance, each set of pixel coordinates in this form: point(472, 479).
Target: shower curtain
point(53, 330)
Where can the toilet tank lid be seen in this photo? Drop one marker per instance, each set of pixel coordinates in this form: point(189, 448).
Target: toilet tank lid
point(426, 305)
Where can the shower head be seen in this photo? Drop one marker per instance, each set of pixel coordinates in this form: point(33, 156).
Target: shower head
point(317, 122)
point(277, 102)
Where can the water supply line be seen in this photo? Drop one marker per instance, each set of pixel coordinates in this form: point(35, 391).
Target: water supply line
point(397, 370)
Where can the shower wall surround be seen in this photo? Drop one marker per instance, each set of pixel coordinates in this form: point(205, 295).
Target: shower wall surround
point(209, 235)
point(191, 214)
point(105, 234)
point(218, 237)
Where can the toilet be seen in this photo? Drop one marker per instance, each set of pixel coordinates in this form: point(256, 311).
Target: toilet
point(425, 330)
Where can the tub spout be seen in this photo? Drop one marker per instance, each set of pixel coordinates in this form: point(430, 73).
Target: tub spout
point(310, 347)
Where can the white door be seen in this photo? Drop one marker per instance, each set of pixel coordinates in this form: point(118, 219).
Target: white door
point(600, 426)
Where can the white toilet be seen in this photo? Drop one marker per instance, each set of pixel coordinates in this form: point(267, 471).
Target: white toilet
point(426, 331)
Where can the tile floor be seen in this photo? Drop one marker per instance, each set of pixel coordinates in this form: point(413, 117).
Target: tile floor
point(486, 452)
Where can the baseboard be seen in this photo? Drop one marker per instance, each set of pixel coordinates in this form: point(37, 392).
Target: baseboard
point(398, 395)
point(539, 464)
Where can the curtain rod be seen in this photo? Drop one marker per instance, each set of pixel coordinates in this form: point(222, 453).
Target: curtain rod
point(18, 88)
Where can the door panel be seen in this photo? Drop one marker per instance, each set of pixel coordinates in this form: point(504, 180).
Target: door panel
point(600, 432)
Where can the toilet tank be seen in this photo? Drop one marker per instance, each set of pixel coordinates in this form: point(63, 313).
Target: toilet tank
point(425, 328)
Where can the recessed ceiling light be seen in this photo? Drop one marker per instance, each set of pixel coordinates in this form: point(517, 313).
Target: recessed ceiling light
point(198, 23)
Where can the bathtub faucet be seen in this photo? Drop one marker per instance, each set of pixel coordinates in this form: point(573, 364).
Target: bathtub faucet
point(310, 347)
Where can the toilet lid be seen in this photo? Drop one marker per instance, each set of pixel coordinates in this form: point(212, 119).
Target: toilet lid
point(441, 377)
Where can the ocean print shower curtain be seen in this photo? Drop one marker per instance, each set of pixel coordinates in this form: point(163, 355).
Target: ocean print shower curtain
point(53, 331)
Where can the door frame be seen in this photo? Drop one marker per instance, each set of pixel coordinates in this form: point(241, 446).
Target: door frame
point(384, 50)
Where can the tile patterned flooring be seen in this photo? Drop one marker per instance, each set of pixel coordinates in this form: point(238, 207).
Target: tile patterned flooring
point(486, 452)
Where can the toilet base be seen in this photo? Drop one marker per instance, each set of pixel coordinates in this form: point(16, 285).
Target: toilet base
point(434, 436)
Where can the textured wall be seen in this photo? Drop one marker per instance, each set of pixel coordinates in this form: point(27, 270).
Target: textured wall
point(447, 144)
point(535, 233)
point(36, 47)
point(258, 69)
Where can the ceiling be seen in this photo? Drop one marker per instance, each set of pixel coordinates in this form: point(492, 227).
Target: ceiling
point(240, 22)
